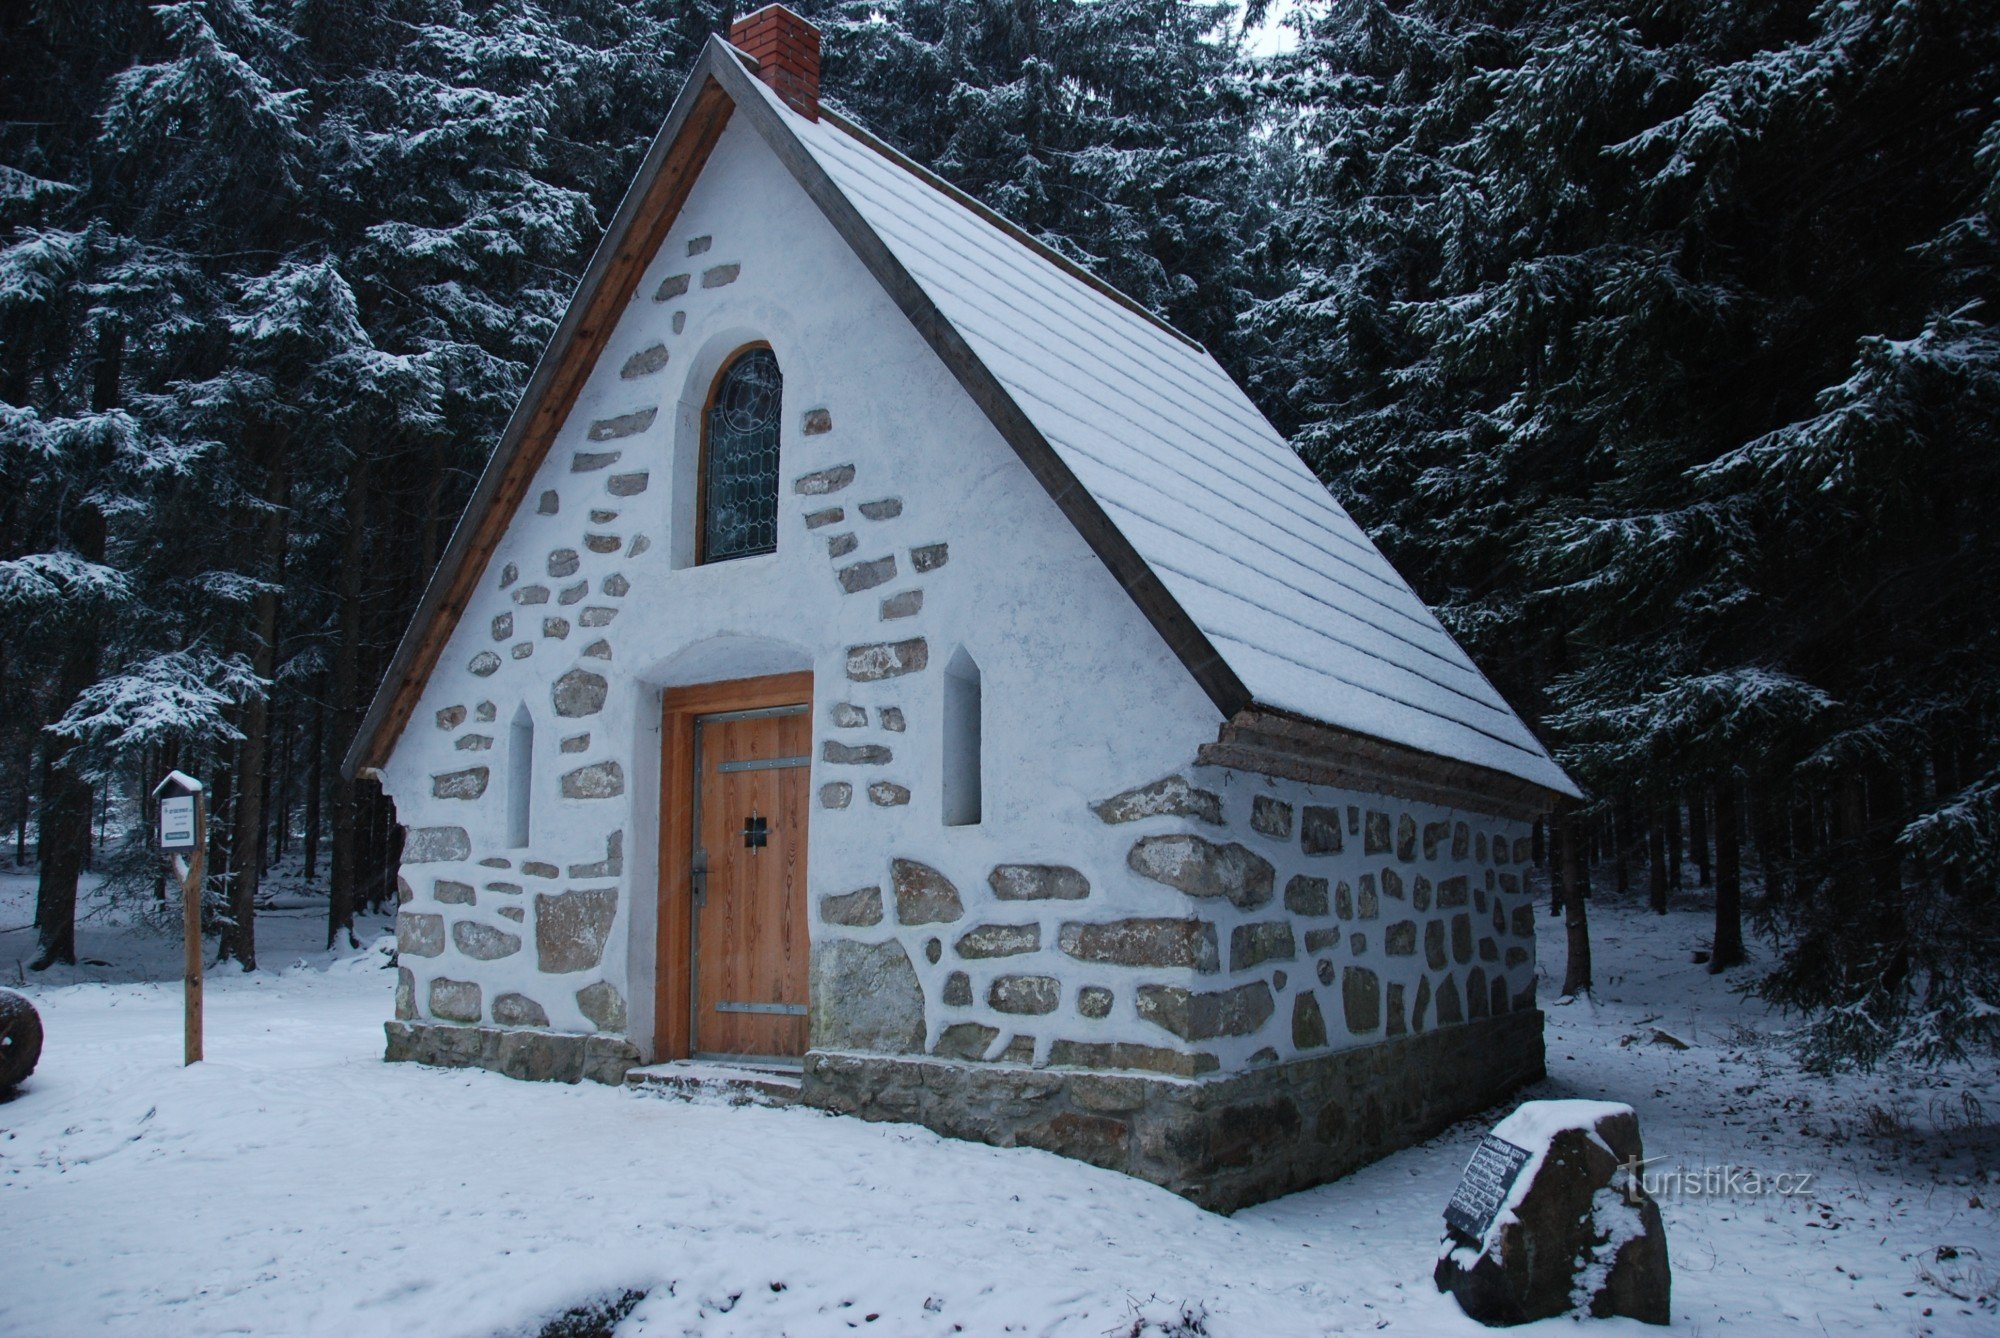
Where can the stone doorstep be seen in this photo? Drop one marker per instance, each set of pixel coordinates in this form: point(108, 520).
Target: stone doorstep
point(769, 1083)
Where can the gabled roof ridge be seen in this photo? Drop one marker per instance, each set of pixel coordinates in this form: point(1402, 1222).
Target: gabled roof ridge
point(868, 138)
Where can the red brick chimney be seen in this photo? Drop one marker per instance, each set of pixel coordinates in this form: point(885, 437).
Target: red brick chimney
point(786, 49)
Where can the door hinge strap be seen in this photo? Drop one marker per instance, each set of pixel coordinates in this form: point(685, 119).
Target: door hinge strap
point(765, 764)
point(782, 1010)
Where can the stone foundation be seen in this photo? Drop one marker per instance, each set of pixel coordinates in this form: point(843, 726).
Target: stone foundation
point(539, 1056)
point(1225, 1142)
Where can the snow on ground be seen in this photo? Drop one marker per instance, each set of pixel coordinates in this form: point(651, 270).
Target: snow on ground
point(295, 1184)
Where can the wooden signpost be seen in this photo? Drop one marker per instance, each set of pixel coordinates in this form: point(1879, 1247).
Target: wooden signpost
point(184, 830)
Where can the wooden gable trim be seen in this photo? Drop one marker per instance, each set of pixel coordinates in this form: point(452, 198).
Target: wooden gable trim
point(1277, 743)
point(637, 229)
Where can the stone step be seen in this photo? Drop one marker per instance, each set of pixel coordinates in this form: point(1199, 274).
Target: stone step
point(772, 1084)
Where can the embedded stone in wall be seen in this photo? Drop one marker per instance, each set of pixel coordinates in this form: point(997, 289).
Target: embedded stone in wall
point(891, 718)
point(823, 481)
point(624, 425)
point(1037, 882)
point(1093, 1001)
point(597, 650)
point(1369, 905)
point(1319, 830)
point(549, 503)
point(483, 942)
point(467, 784)
point(846, 715)
point(957, 987)
point(1406, 838)
point(1435, 835)
point(484, 663)
point(1449, 1009)
point(1271, 817)
point(903, 604)
point(1420, 1004)
point(1476, 997)
point(644, 363)
point(539, 869)
point(1202, 868)
point(1400, 939)
point(613, 863)
point(1361, 999)
point(599, 780)
point(697, 245)
point(866, 754)
point(966, 1040)
point(596, 617)
point(455, 1000)
point(603, 1005)
point(671, 287)
point(615, 585)
point(452, 893)
point(524, 650)
point(1434, 949)
point(508, 575)
point(1452, 892)
point(840, 545)
point(817, 421)
point(866, 997)
point(1461, 841)
point(1305, 895)
point(587, 462)
point(571, 928)
point(579, 693)
point(1126, 1055)
point(1461, 938)
point(819, 520)
point(887, 508)
point(514, 913)
point(1029, 995)
point(1308, 1023)
point(888, 794)
point(406, 994)
point(532, 594)
point(1266, 941)
point(857, 909)
point(433, 845)
point(1170, 796)
point(867, 575)
point(473, 743)
point(887, 659)
point(1199, 1017)
point(451, 717)
point(837, 794)
point(1420, 893)
point(518, 1010)
point(998, 941)
point(923, 895)
point(564, 562)
point(1140, 941)
point(1343, 900)
point(556, 629)
point(1377, 840)
point(1523, 921)
point(419, 934)
point(575, 743)
point(1523, 850)
point(1392, 884)
point(717, 275)
point(929, 557)
point(1392, 1020)
point(603, 543)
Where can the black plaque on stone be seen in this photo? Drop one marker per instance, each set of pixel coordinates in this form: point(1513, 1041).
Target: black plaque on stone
point(1494, 1167)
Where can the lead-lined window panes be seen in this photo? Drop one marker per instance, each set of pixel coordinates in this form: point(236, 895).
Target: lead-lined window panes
point(740, 488)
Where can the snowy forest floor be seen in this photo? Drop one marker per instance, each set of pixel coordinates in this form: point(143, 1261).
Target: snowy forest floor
point(296, 1184)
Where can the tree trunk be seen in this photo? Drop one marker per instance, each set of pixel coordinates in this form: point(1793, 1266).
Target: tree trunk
point(1576, 973)
point(251, 784)
point(1624, 827)
point(1656, 859)
point(1728, 949)
point(1673, 807)
point(315, 780)
point(347, 815)
point(1698, 834)
point(67, 799)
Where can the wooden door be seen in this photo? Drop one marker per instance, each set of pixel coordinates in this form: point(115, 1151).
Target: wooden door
point(750, 949)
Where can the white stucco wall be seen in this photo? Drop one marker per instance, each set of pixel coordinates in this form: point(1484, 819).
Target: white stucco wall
point(1082, 699)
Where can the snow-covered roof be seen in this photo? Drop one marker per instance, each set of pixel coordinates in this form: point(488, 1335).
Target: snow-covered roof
point(1257, 578)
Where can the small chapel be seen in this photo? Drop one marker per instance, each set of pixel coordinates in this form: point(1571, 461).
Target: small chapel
point(883, 664)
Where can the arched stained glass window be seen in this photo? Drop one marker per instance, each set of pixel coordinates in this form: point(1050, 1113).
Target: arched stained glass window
point(740, 469)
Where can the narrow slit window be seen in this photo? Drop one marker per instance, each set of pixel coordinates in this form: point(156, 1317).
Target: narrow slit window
point(740, 459)
point(520, 776)
point(962, 731)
